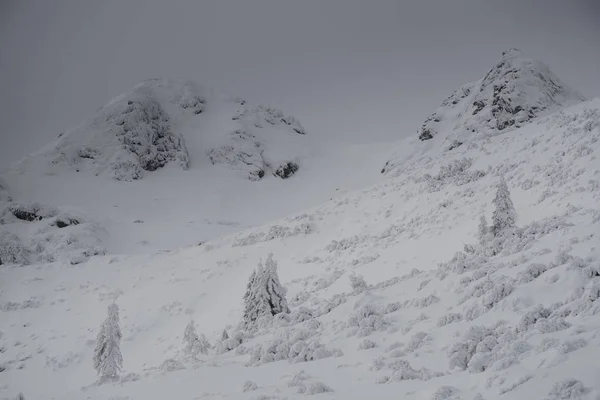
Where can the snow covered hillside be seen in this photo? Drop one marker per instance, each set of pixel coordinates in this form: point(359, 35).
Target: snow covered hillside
point(171, 164)
point(514, 92)
point(395, 291)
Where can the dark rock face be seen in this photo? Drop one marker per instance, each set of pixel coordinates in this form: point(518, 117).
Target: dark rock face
point(145, 130)
point(64, 222)
point(287, 170)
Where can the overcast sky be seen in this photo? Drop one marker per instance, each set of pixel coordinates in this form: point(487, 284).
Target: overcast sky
point(357, 70)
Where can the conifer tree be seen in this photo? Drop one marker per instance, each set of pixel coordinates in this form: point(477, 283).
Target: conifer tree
point(108, 360)
point(275, 291)
point(224, 336)
point(483, 228)
point(264, 294)
point(504, 215)
point(194, 344)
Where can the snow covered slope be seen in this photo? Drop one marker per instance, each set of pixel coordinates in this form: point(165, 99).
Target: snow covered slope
point(513, 93)
point(441, 316)
point(170, 164)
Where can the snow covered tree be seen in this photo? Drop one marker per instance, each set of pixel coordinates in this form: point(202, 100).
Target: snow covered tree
point(224, 336)
point(483, 229)
point(194, 344)
point(504, 215)
point(275, 290)
point(108, 360)
point(264, 294)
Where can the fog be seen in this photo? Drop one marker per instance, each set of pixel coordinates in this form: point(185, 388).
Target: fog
point(350, 70)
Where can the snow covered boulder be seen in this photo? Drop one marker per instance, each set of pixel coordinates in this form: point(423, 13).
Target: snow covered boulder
point(30, 212)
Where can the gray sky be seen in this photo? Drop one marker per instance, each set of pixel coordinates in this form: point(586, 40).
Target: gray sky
point(361, 70)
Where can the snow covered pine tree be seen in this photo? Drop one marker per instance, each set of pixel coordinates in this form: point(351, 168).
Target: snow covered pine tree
point(194, 344)
point(504, 215)
point(483, 229)
point(264, 294)
point(108, 360)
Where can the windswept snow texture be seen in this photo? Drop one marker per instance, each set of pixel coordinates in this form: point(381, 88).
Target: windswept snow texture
point(437, 314)
point(154, 124)
point(514, 92)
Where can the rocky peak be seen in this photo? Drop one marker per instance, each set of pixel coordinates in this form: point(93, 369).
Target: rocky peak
point(515, 90)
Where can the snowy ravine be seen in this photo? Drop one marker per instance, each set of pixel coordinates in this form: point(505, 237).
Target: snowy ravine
point(437, 314)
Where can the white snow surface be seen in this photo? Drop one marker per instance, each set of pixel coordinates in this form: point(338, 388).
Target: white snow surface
point(439, 316)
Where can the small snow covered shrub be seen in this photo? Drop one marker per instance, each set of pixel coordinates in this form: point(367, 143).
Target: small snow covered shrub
point(366, 344)
point(12, 250)
point(448, 319)
point(170, 365)
point(194, 344)
point(461, 353)
point(417, 341)
point(529, 319)
point(317, 388)
point(293, 346)
point(403, 371)
point(569, 389)
point(532, 271)
point(367, 319)
point(358, 284)
point(226, 345)
point(274, 232)
point(457, 172)
point(249, 386)
point(445, 393)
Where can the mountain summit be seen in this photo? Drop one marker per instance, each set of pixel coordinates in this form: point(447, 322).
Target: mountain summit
point(162, 121)
point(515, 91)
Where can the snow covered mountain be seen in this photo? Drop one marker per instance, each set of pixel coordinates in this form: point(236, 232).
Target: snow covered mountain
point(163, 121)
point(516, 91)
point(465, 274)
point(170, 164)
